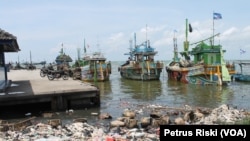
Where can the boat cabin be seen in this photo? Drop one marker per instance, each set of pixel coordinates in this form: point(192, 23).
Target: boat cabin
point(8, 43)
point(144, 52)
point(207, 54)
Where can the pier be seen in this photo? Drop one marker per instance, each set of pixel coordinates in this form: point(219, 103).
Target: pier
point(28, 87)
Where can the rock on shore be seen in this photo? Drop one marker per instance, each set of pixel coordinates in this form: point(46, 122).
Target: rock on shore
point(123, 130)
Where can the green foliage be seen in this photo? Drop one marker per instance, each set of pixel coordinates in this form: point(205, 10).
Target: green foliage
point(245, 121)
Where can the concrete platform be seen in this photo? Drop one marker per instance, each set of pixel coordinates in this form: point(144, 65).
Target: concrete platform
point(27, 86)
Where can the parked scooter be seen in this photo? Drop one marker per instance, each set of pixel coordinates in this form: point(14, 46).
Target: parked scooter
point(52, 74)
point(44, 70)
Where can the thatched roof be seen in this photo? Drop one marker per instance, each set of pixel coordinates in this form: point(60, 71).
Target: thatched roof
point(8, 42)
point(63, 58)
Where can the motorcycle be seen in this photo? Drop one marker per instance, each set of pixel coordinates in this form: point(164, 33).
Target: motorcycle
point(52, 74)
point(44, 70)
point(76, 73)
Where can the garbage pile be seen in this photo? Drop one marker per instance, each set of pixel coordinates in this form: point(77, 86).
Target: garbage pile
point(129, 126)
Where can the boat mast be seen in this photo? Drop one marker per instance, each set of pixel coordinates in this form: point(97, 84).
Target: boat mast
point(176, 59)
point(186, 43)
point(85, 50)
point(135, 39)
point(78, 53)
point(30, 58)
point(146, 35)
point(213, 32)
point(131, 49)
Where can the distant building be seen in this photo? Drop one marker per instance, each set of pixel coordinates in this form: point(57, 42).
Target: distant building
point(8, 43)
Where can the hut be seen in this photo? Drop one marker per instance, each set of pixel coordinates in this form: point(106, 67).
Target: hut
point(62, 60)
point(8, 43)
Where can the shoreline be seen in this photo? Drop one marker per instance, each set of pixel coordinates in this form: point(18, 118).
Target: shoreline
point(124, 127)
point(142, 122)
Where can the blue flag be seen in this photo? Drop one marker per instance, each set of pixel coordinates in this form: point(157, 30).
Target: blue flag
point(242, 51)
point(217, 16)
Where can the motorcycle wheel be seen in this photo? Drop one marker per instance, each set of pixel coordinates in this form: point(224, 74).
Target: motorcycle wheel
point(65, 77)
point(42, 74)
point(74, 77)
point(50, 77)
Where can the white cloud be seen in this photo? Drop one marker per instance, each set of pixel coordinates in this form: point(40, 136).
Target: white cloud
point(42, 26)
point(229, 32)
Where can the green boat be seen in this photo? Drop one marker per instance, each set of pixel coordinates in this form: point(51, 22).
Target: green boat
point(141, 64)
point(207, 67)
point(95, 68)
point(92, 67)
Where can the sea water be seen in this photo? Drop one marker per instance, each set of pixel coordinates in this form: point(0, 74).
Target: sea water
point(118, 94)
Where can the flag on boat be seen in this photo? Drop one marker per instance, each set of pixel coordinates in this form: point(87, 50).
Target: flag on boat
point(190, 28)
point(217, 16)
point(242, 51)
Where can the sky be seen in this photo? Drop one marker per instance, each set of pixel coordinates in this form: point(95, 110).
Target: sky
point(45, 27)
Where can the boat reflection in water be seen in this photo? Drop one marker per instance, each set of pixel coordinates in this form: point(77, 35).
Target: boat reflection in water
point(105, 87)
point(198, 95)
point(142, 90)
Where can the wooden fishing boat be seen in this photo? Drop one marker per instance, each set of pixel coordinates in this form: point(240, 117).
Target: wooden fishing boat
point(207, 66)
point(94, 67)
point(242, 76)
point(141, 64)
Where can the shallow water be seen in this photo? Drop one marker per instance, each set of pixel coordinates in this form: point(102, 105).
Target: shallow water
point(118, 94)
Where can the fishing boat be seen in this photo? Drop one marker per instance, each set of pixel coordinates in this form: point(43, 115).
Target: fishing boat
point(207, 67)
point(92, 67)
point(95, 68)
point(242, 76)
point(141, 64)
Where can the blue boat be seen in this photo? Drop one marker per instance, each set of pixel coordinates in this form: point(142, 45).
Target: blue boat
point(141, 64)
point(242, 76)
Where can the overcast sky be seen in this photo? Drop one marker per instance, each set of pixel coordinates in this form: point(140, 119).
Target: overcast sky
point(44, 27)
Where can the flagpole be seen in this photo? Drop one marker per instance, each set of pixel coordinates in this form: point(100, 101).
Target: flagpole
point(213, 30)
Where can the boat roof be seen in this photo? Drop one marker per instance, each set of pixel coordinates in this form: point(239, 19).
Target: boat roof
point(242, 63)
point(94, 56)
point(146, 53)
point(143, 49)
